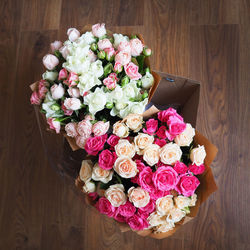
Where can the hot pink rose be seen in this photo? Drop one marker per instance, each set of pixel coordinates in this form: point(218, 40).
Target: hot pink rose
point(175, 125)
point(50, 61)
point(160, 142)
point(132, 71)
point(34, 99)
point(54, 124)
point(165, 114)
point(66, 111)
point(84, 128)
point(180, 167)
point(123, 58)
point(93, 196)
point(187, 185)
point(100, 128)
point(119, 217)
point(56, 45)
point(162, 132)
point(136, 47)
point(110, 82)
point(140, 166)
point(110, 52)
point(124, 46)
point(107, 159)
point(156, 194)
point(169, 136)
point(127, 210)
point(151, 126)
point(196, 169)
point(136, 222)
point(104, 207)
point(113, 140)
point(63, 74)
point(149, 208)
point(144, 215)
point(99, 30)
point(145, 179)
point(95, 144)
point(118, 67)
point(42, 89)
point(165, 178)
point(80, 141)
point(104, 44)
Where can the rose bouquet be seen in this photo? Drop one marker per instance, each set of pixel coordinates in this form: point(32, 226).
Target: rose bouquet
point(92, 78)
point(146, 173)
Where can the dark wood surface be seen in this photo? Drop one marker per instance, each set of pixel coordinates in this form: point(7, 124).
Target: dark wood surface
point(206, 40)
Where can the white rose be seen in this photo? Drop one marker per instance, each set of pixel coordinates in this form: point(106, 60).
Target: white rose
point(73, 34)
point(50, 75)
point(138, 107)
point(87, 81)
point(125, 148)
point(142, 141)
point(119, 38)
point(147, 80)
point(120, 105)
point(198, 155)
point(116, 196)
point(57, 91)
point(186, 137)
point(97, 68)
point(88, 37)
point(89, 187)
point(134, 122)
point(193, 200)
point(151, 154)
point(86, 170)
point(50, 61)
point(74, 92)
point(182, 201)
point(175, 215)
point(100, 174)
point(170, 153)
point(96, 101)
point(138, 196)
point(155, 219)
point(72, 103)
point(164, 205)
point(120, 129)
point(125, 167)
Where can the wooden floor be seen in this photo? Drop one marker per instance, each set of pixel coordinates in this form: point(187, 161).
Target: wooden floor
point(206, 40)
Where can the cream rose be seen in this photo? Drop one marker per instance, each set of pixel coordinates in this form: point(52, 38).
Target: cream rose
point(134, 121)
point(125, 148)
point(120, 129)
point(100, 174)
point(182, 201)
point(138, 196)
point(89, 187)
point(186, 137)
point(164, 205)
point(198, 155)
point(142, 141)
point(86, 170)
point(170, 153)
point(151, 154)
point(125, 167)
point(155, 219)
point(165, 227)
point(193, 200)
point(115, 194)
point(175, 215)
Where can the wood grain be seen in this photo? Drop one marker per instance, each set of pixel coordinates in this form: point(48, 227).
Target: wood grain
point(205, 40)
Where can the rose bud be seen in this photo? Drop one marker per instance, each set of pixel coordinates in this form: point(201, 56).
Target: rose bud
point(109, 105)
point(124, 81)
point(110, 54)
point(73, 34)
point(54, 124)
point(50, 61)
point(93, 47)
point(101, 54)
point(63, 74)
point(64, 51)
point(56, 45)
point(55, 107)
point(147, 52)
point(57, 91)
point(107, 69)
point(50, 75)
point(99, 30)
point(118, 68)
point(34, 99)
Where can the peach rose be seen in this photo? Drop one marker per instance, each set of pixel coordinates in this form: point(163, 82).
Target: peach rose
point(134, 121)
point(136, 47)
point(165, 227)
point(86, 170)
point(125, 148)
point(125, 167)
point(182, 201)
point(198, 155)
point(164, 205)
point(186, 137)
point(175, 215)
point(155, 219)
point(123, 57)
point(89, 187)
point(193, 200)
point(142, 141)
point(170, 153)
point(151, 154)
point(100, 128)
point(120, 129)
point(70, 129)
point(73, 34)
point(138, 196)
point(115, 194)
point(50, 61)
point(100, 174)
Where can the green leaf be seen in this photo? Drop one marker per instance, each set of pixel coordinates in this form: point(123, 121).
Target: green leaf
point(140, 60)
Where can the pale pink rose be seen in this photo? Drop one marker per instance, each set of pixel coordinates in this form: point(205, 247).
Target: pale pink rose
point(74, 92)
point(64, 51)
point(118, 67)
point(132, 71)
point(80, 141)
point(73, 34)
point(42, 89)
point(66, 111)
point(104, 44)
point(100, 128)
point(114, 75)
point(50, 61)
point(72, 79)
point(92, 56)
point(34, 99)
point(123, 58)
point(56, 45)
point(88, 118)
point(72, 103)
point(63, 74)
point(70, 129)
point(109, 52)
point(138, 196)
point(109, 82)
point(57, 91)
point(99, 30)
point(136, 47)
point(54, 124)
point(84, 128)
point(124, 46)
